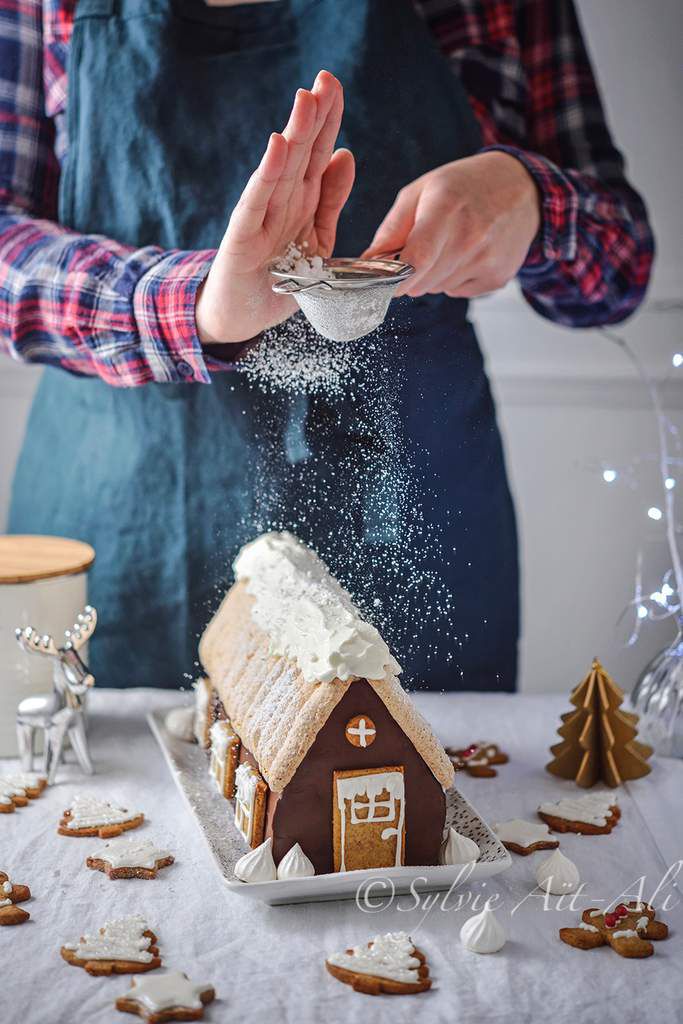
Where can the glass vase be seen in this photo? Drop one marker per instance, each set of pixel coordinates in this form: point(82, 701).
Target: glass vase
point(658, 698)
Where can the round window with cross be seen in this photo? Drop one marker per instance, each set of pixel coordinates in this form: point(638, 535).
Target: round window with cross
point(361, 731)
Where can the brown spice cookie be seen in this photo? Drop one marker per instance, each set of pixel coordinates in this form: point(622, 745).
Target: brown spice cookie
point(125, 946)
point(18, 788)
point(395, 955)
point(594, 814)
point(169, 995)
point(130, 858)
point(477, 759)
point(10, 894)
point(525, 837)
point(92, 816)
point(630, 930)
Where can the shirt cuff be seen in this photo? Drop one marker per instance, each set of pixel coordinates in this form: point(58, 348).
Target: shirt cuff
point(556, 240)
point(164, 307)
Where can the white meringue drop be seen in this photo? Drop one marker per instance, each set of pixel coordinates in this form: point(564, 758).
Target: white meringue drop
point(483, 933)
point(257, 865)
point(180, 723)
point(557, 874)
point(295, 864)
point(459, 849)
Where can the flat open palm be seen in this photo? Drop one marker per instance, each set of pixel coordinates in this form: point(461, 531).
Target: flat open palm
point(296, 194)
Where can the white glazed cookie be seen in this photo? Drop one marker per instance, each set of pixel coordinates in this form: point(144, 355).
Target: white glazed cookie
point(124, 857)
point(388, 964)
point(525, 837)
point(591, 814)
point(123, 946)
point(169, 995)
point(93, 816)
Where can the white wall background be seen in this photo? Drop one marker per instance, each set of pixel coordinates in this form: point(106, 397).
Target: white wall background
point(568, 400)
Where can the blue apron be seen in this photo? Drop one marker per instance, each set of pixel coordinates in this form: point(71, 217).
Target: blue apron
point(170, 105)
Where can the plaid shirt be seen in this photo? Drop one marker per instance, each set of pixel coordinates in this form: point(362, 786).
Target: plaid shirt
point(95, 307)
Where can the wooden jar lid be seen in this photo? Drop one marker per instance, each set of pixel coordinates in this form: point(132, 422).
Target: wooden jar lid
point(24, 558)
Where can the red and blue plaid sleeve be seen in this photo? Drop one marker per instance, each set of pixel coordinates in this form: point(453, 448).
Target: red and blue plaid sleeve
point(83, 303)
point(527, 72)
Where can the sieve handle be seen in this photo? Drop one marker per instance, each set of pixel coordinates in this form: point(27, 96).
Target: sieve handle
point(290, 287)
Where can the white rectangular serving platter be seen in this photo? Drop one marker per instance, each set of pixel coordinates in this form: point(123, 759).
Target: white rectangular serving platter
point(188, 764)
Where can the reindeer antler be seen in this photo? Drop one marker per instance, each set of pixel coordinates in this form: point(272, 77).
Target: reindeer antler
point(82, 629)
point(31, 641)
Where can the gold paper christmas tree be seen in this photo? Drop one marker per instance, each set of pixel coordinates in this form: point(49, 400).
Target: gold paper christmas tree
point(598, 739)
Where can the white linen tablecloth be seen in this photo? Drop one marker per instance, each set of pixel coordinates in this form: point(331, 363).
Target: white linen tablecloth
point(267, 963)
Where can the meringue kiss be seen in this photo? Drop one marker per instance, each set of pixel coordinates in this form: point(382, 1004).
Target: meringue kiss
point(459, 849)
point(557, 874)
point(257, 865)
point(295, 864)
point(483, 933)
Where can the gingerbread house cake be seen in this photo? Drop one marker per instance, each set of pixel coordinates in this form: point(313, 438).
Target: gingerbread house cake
point(310, 730)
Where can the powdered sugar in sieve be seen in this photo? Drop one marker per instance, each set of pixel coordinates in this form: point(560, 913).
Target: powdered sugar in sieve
point(343, 299)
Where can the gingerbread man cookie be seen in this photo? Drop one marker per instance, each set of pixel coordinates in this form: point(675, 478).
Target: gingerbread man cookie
point(90, 816)
point(11, 894)
point(594, 814)
point(129, 858)
point(125, 946)
point(389, 964)
point(169, 995)
point(478, 759)
point(629, 930)
point(16, 790)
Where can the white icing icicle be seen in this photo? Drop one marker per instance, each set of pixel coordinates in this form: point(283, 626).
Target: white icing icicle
point(557, 874)
point(257, 865)
point(90, 812)
point(591, 809)
point(164, 990)
point(295, 864)
point(122, 939)
point(587, 927)
point(307, 614)
point(523, 833)
point(7, 891)
point(387, 956)
point(458, 849)
point(625, 933)
point(483, 933)
point(123, 852)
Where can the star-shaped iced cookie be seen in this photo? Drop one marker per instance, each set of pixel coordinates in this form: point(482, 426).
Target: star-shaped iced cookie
point(169, 995)
point(126, 857)
point(93, 816)
point(525, 837)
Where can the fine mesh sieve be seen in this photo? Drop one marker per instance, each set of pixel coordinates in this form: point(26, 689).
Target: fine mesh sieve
point(352, 301)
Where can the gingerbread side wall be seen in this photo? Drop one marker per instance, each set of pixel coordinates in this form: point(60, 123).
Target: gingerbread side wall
point(302, 813)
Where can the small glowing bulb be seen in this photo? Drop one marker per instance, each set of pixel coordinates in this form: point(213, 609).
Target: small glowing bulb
point(655, 513)
point(658, 597)
point(677, 359)
point(642, 611)
point(609, 475)
point(669, 483)
point(667, 590)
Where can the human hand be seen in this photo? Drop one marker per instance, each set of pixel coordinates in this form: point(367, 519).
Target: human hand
point(296, 194)
point(466, 227)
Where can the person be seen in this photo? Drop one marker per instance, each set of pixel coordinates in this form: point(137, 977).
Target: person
point(131, 129)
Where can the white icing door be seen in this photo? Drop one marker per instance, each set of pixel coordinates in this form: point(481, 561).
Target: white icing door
point(368, 823)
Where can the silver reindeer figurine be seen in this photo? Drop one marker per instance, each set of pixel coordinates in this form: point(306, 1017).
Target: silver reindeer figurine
point(60, 713)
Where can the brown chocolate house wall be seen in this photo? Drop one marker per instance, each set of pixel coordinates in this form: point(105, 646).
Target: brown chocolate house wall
point(303, 812)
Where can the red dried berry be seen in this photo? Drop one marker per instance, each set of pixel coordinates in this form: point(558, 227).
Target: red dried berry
point(621, 910)
point(610, 920)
